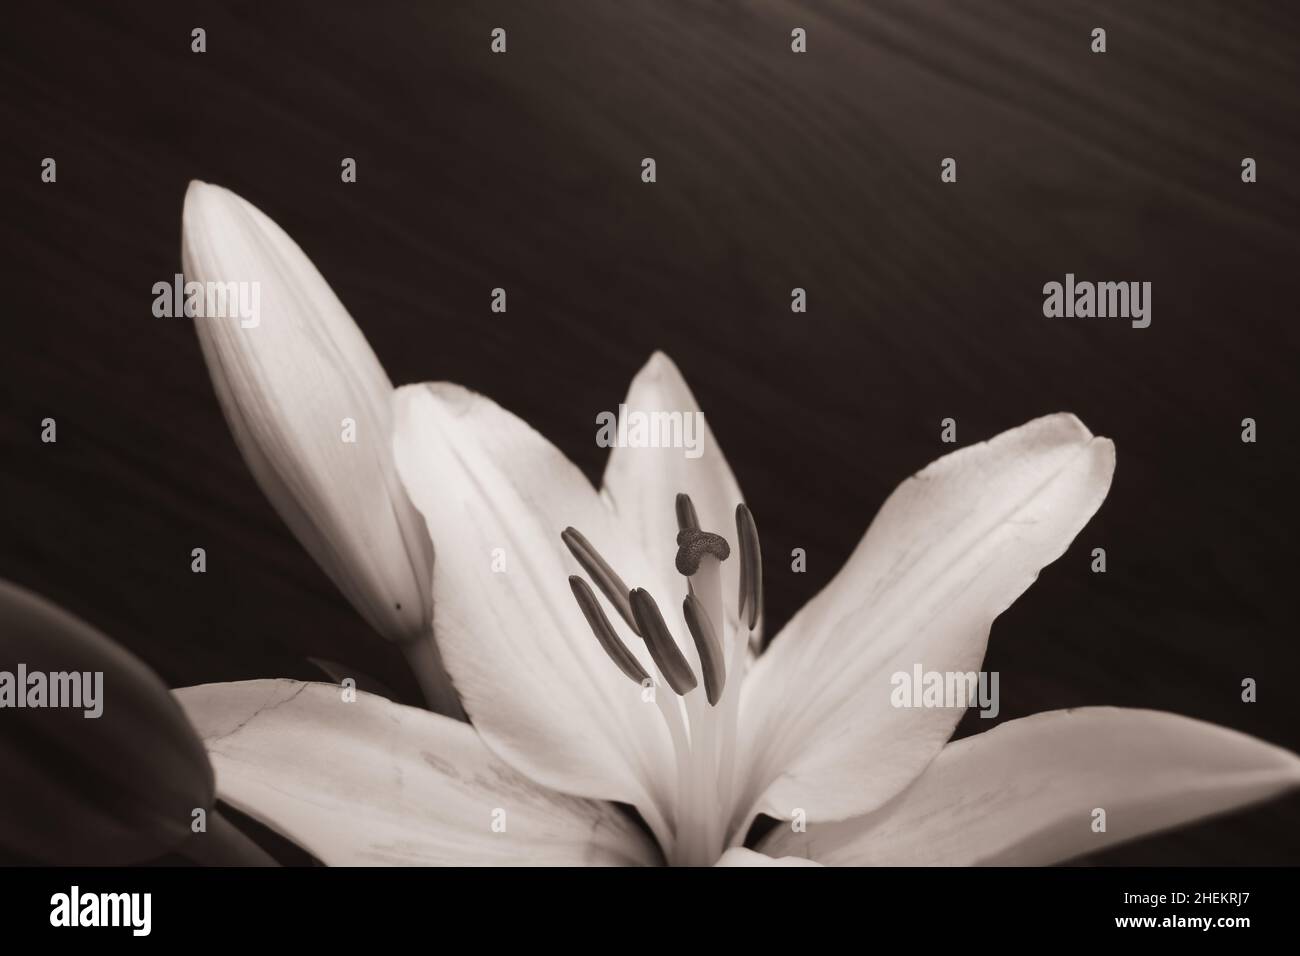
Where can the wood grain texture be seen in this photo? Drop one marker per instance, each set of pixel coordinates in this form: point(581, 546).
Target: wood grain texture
point(775, 171)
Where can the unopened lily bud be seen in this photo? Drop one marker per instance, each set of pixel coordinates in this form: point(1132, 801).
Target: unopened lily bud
point(309, 406)
point(100, 764)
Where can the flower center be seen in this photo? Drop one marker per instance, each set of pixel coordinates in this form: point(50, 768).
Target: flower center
point(702, 722)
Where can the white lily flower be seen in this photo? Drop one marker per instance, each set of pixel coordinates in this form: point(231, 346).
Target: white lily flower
point(310, 408)
point(563, 725)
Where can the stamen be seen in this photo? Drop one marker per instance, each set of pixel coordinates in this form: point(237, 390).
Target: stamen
point(751, 566)
point(598, 569)
point(693, 544)
point(707, 646)
point(604, 631)
point(663, 648)
point(686, 516)
point(703, 727)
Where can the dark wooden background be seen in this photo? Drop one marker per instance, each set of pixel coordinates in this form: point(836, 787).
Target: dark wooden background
point(775, 171)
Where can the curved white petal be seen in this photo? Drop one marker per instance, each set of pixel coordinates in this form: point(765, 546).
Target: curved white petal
point(950, 550)
point(287, 377)
point(641, 484)
point(739, 856)
point(531, 675)
point(1025, 793)
point(371, 782)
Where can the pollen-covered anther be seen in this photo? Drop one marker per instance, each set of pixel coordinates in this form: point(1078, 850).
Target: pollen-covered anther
point(686, 515)
point(599, 570)
point(693, 544)
point(750, 601)
point(604, 631)
point(662, 645)
point(708, 646)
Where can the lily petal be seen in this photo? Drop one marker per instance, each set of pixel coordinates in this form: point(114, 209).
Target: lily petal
point(739, 856)
point(641, 484)
point(950, 550)
point(370, 782)
point(1025, 792)
point(286, 383)
point(532, 676)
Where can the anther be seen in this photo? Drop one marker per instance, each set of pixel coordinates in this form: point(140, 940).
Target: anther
point(707, 646)
point(693, 544)
point(663, 648)
point(598, 569)
point(686, 516)
point(604, 631)
point(751, 566)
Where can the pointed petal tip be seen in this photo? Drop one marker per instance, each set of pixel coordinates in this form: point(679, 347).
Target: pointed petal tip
point(203, 197)
point(1070, 419)
point(1067, 425)
point(659, 359)
point(657, 368)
